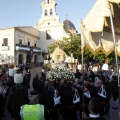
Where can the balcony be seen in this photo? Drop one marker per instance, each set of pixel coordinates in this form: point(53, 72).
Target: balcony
point(27, 48)
point(5, 48)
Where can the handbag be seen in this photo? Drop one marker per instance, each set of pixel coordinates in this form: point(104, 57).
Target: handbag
point(87, 94)
point(76, 98)
point(56, 99)
point(102, 92)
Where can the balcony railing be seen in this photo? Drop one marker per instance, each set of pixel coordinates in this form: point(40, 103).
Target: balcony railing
point(27, 48)
point(5, 48)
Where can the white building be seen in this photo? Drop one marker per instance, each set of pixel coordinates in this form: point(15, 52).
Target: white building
point(17, 43)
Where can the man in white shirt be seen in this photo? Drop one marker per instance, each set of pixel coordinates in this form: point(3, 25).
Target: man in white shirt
point(18, 77)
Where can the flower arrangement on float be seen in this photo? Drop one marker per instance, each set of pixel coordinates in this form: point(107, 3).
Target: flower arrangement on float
point(61, 72)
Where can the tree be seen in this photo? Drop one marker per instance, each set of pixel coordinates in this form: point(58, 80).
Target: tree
point(73, 45)
point(69, 45)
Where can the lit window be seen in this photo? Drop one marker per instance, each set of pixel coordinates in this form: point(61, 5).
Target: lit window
point(48, 35)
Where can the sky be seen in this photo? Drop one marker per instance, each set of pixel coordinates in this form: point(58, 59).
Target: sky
point(15, 13)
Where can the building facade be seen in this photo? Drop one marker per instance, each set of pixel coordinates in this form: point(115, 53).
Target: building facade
point(26, 44)
point(17, 43)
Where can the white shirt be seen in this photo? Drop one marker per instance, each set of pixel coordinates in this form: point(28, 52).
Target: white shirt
point(95, 69)
point(105, 67)
point(11, 72)
point(79, 67)
point(94, 116)
point(18, 78)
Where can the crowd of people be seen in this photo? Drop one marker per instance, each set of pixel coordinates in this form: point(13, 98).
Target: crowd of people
point(86, 97)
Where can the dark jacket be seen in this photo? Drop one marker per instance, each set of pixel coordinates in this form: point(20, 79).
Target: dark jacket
point(34, 84)
point(16, 100)
point(67, 98)
point(48, 99)
point(99, 118)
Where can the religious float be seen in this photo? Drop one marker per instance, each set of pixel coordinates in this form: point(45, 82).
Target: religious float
point(60, 65)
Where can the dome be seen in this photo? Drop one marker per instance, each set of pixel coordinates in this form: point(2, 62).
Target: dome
point(69, 25)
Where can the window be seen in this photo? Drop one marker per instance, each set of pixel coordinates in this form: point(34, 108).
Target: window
point(20, 41)
point(48, 2)
point(35, 45)
point(28, 43)
point(51, 12)
point(45, 12)
point(48, 35)
point(5, 42)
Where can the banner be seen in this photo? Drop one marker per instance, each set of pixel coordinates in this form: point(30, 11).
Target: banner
point(31, 52)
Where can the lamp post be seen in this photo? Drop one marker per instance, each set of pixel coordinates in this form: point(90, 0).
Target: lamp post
point(0, 58)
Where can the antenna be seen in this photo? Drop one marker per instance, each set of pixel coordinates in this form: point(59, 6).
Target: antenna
point(67, 20)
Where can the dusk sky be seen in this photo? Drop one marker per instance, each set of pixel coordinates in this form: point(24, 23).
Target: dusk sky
point(15, 13)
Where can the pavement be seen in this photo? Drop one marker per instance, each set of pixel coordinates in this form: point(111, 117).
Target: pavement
point(113, 114)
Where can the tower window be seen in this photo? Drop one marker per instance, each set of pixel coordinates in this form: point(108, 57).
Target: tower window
point(51, 12)
point(45, 12)
point(5, 42)
point(48, 1)
point(48, 35)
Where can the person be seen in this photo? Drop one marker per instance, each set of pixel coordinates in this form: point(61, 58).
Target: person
point(18, 77)
point(105, 66)
point(16, 100)
point(26, 80)
point(94, 108)
point(35, 80)
point(43, 74)
point(50, 109)
point(2, 99)
point(78, 74)
point(11, 76)
point(115, 91)
point(33, 110)
point(67, 103)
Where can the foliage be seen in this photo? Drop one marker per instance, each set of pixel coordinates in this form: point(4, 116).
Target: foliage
point(69, 45)
point(73, 45)
point(100, 56)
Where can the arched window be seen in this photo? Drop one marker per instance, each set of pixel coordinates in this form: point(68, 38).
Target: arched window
point(20, 59)
point(48, 2)
point(35, 45)
point(51, 12)
point(45, 12)
point(20, 42)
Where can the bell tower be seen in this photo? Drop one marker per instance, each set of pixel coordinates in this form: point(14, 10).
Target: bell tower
point(48, 8)
point(49, 14)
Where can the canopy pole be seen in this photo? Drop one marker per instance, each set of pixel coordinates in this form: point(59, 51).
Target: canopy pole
point(82, 55)
point(115, 49)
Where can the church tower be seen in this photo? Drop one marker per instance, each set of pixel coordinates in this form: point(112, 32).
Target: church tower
point(48, 13)
point(49, 25)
